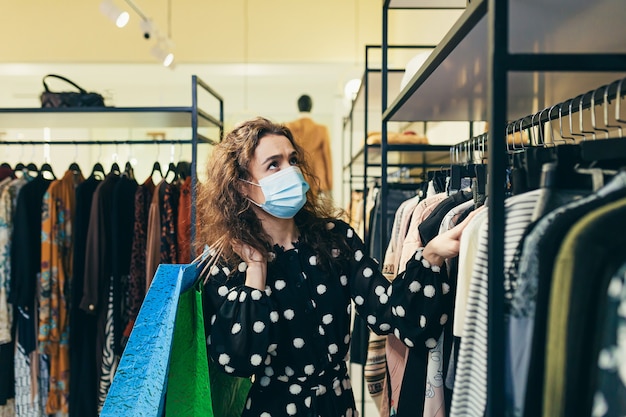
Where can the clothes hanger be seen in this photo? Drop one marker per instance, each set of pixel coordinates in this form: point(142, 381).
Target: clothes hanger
point(98, 169)
point(115, 169)
point(98, 172)
point(47, 169)
point(184, 169)
point(594, 125)
point(74, 166)
point(156, 168)
point(608, 153)
point(580, 118)
point(171, 169)
point(129, 172)
point(6, 165)
point(605, 106)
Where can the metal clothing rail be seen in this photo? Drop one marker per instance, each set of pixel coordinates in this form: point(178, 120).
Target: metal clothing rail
point(104, 142)
point(103, 117)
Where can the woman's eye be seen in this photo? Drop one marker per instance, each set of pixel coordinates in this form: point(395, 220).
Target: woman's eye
point(272, 165)
point(293, 161)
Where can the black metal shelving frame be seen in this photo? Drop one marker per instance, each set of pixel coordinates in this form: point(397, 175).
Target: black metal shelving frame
point(89, 117)
point(508, 85)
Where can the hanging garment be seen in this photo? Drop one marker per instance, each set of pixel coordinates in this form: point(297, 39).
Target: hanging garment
point(609, 389)
point(54, 283)
point(526, 327)
point(183, 224)
point(123, 215)
point(153, 239)
point(468, 249)
point(137, 278)
point(315, 140)
point(470, 384)
point(395, 350)
point(6, 227)
point(97, 297)
point(168, 203)
point(31, 369)
point(584, 253)
point(83, 401)
point(8, 199)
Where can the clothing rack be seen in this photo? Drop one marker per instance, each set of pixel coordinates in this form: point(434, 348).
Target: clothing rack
point(510, 60)
point(115, 117)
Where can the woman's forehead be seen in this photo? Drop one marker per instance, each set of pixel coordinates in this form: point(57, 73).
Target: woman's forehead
point(273, 144)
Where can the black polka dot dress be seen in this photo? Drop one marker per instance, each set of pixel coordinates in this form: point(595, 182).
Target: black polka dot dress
point(293, 337)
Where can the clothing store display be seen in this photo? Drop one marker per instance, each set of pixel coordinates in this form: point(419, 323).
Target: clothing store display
point(585, 249)
point(153, 234)
point(532, 288)
point(54, 282)
point(183, 225)
point(609, 395)
point(123, 205)
point(315, 140)
point(83, 387)
point(31, 368)
point(168, 210)
point(470, 389)
point(137, 277)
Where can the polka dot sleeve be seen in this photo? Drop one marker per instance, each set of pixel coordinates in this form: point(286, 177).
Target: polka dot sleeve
point(238, 322)
point(414, 306)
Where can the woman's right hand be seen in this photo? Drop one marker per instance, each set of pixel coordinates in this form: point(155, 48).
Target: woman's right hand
point(256, 265)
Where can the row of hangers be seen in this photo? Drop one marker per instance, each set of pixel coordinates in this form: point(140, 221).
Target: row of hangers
point(174, 172)
point(180, 170)
point(534, 145)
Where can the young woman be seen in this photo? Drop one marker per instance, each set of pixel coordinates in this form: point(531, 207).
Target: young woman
point(278, 306)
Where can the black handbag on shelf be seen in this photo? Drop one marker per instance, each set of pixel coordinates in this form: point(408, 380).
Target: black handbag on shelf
point(80, 98)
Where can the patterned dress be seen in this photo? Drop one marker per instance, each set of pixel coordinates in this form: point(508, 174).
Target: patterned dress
point(293, 337)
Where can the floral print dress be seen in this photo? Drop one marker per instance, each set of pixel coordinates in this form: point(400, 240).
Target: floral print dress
point(293, 338)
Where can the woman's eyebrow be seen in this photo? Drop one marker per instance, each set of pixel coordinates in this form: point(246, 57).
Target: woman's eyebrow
point(271, 158)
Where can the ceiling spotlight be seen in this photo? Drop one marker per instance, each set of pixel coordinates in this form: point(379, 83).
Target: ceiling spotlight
point(162, 54)
point(148, 28)
point(117, 15)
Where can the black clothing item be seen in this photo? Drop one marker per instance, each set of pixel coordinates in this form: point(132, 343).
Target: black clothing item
point(599, 252)
point(26, 259)
point(123, 218)
point(429, 227)
point(83, 401)
point(293, 337)
point(549, 246)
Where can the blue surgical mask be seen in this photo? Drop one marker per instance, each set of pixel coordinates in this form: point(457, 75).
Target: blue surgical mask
point(284, 191)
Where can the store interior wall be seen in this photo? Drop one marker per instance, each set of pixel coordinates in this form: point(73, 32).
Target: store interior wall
point(259, 55)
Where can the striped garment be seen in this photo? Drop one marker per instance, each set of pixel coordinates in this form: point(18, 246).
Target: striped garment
point(470, 386)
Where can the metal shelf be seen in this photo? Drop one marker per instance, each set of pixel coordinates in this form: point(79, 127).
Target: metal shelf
point(453, 83)
point(103, 117)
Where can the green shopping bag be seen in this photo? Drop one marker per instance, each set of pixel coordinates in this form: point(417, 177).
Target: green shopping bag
point(188, 387)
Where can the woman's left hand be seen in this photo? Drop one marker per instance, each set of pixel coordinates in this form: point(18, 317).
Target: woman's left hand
point(447, 244)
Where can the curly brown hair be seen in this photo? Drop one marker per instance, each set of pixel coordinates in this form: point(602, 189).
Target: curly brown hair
point(224, 212)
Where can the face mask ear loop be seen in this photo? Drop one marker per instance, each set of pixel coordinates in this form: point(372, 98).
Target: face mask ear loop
point(251, 183)
point(254, 202)
point(248, 198)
